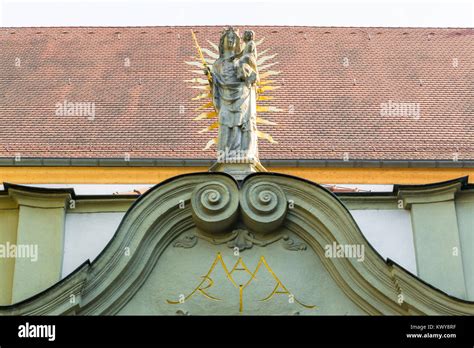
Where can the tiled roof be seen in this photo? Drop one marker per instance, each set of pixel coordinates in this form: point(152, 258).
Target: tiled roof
point(334, 82)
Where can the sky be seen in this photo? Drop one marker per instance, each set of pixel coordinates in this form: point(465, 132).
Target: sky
point(368, 13)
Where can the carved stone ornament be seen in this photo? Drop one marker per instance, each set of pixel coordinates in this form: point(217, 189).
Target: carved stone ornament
point(263, 206)
point(233, 79)
point(241, 239)
point(186, 241)
point(216, 206)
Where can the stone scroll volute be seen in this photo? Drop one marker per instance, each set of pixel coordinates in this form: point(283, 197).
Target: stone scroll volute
point(263, 205)
point(218, 206)
point(215, 205)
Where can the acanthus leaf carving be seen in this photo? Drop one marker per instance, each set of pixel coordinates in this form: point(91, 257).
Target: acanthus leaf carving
point(291, 244)
point(241, 239)
point(186, 241)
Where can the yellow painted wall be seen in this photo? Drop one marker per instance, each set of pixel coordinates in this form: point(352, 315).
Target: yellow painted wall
point(150, 175)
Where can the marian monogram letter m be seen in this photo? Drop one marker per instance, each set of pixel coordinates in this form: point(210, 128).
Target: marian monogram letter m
point(208, 282)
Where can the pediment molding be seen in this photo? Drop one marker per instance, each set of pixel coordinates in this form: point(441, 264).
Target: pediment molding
point(171, 209)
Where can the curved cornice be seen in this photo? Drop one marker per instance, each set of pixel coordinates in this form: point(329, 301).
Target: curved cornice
point(430, 193)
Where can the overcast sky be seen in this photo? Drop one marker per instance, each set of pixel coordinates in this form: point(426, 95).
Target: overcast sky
point(393, 13)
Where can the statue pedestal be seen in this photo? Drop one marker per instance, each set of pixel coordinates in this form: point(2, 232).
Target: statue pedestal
point(238, 170)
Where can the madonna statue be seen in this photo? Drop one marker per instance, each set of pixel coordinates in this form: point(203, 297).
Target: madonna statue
point(234, 78)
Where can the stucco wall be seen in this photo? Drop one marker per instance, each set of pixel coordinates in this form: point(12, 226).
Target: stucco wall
point(86, 235)
point(390, 233)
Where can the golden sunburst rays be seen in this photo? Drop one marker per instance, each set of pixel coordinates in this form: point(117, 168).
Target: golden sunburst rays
point(200, 82)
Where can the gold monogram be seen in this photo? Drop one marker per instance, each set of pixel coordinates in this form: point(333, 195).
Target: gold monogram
point(207, 282)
